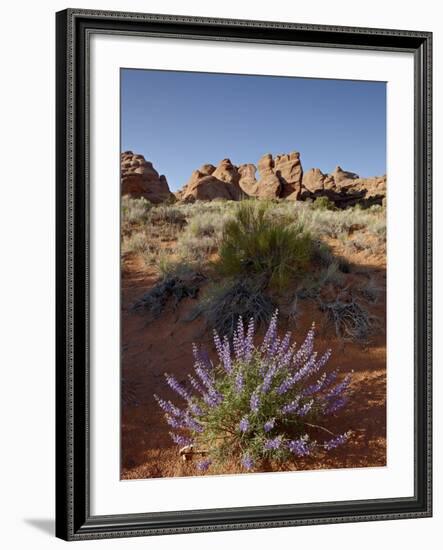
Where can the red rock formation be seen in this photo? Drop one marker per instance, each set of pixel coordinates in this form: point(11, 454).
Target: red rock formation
point(209, 183)
point(344, 188)
point(289, 170)
point(247, 181)
point(140, 179)
point(278, 177)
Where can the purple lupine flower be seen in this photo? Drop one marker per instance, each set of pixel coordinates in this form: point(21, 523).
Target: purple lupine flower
point(286, 359)
point(195, 409)
point(284, 345)
point(255, 400)
point(204, 376)
point(227, 360)
point(218, 345)
point(290, 407)
point(180, 439)
point(192, 424)
point(213, 398)
point(336, 405)
point(177, 387)
point(238, 340)
point(334, 398)
point(247, 462)
point(195, 384)
point(336, 441)
point(244, 425)
point(324, 359)
point(339, 388)
point(249, 340)
point(323, 382)
point(306, 348)
point(205, 359)
point(287, 384)
point(268, 425)
point(308, 369)
point(272, 444)
point(223, 351)
point(203, 464)
point(271, 333)
point(269, 376)
point(168, 407)
point(313, 365)
point(299, 447)
point(273, 347)
point(314, 388)
point(201, 357)
point(239, 382)
point(174, 422)
point(185, 422)
point(303, 411)
point(330, 378)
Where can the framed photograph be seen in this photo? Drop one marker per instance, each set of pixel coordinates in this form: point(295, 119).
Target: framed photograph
point(243, 274)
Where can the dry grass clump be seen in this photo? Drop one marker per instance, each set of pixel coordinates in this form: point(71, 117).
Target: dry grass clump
point(350, 319)
point(146, 248)
point(312, 285)
point(171, 290)
point(371, 291)
point(208, 224)
point(167, 215)
point(224, 303)
point(195, 249)
point(134, 212)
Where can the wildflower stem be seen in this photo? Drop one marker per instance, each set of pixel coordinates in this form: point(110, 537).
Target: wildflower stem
point(319, 427)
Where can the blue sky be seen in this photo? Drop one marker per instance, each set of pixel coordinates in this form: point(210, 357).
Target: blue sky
point(181, 120)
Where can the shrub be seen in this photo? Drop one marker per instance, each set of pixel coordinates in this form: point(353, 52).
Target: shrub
point(169, 267)
point(173, 288)
point(312, 286)
point(257, 402)
point(167, 214)
point(194, 249)
point(134, 210)
point(207, 224)
point(323, 203)
point(137, 242)
point(254, 244)
point(378, 228)
point(225, 303)
point(371, 291)
point(350, 320)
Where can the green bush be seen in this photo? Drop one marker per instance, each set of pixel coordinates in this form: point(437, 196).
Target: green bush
point(253, 243)
point(323, 203)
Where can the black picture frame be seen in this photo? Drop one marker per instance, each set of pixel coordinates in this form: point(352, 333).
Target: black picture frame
point(74, 28)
